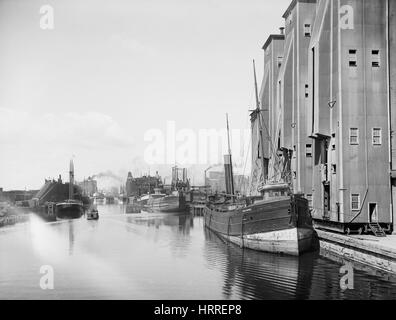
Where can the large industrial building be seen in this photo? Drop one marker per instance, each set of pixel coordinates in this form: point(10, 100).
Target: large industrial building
point(89, 186)
point(328, 111)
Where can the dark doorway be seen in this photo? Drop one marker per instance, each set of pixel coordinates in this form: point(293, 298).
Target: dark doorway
point(373, 212)
point(326, 201)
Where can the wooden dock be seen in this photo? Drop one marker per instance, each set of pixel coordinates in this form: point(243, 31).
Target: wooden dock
point(379, 253)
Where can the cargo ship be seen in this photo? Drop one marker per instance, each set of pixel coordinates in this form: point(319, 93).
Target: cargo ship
point(276, 221)
point(171, 198)
point(173, 203)
point(70, 208)
point(280, 224)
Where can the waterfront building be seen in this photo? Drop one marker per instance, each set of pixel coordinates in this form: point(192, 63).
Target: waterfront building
point(292, 90)
point(334, 117)
point(141, 185)
point(264, 119)
point(350, 111)
point(216, 182)
point(89, 186)
point(391, 29)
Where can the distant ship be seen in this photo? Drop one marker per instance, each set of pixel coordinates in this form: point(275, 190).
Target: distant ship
point(98, 198)
point(173, 203)
point(70, 209)
point(171, 198)
point(93, 213)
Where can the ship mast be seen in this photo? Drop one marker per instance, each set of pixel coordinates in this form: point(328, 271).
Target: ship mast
point(71, 180)
point(229, 175)
point(258, 110)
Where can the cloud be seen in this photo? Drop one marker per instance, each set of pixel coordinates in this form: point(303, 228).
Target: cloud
point(86, 129)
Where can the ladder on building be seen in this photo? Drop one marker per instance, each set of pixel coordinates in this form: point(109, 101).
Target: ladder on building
point(377, 230)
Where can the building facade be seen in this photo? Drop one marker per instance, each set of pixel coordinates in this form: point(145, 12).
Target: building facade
point(141, 185)
point(292, 90)
point(335, 100)
point(264, 120)
point(89, 186)
point(350, 113)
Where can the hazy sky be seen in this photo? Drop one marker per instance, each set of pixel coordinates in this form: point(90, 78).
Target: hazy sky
point(111, 70)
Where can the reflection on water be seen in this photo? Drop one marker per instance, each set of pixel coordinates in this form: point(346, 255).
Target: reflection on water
point(163, 256)
point(71, 237)
point(250, 274)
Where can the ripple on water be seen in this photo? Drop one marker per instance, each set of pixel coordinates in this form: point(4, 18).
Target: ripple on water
point(163, 256)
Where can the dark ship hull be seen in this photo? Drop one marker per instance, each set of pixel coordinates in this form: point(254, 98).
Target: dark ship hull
point(69, 210)
point(167, 204)
point(280, 225)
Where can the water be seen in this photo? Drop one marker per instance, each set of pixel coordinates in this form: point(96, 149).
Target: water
point(156, 256)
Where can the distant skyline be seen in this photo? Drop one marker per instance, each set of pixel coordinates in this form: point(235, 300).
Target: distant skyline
point(110, 71)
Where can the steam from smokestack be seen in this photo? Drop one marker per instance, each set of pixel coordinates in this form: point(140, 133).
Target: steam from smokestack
point(108, 174)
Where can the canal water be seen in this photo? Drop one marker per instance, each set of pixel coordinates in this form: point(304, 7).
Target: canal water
point(162, 256)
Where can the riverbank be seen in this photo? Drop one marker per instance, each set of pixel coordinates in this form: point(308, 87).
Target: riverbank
point(379, 253)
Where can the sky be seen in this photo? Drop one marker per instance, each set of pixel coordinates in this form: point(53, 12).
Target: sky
point(113, 75)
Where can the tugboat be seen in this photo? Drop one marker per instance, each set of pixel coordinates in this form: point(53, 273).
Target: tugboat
point(278, 221)
point(70, 209)
point(93, 214)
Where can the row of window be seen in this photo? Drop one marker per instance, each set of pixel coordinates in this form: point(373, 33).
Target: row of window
point(355, 201)
point(375, 58)
point(376, 140)
point(376, 136)
point(353, 61)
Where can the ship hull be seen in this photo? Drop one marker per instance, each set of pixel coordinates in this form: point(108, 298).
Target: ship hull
point(276, 226)
point(167, 204)
point(291, 241)
point(69, 211)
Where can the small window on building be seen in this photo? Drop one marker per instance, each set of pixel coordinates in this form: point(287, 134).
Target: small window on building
point(354, 136)
point(353, 58)
point(307, 30)
point(377, 136)
point(306, 91)
point(375, 58)
point(308, 150)
point(334, 169)
point(355, 202)
point(280, 61)
point(333, 147)
point(309, 198)
point(294, 175)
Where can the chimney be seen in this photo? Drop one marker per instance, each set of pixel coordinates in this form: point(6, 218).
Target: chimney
point(282, 31)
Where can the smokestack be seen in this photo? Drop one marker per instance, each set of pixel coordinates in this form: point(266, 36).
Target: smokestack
point(71, 180)
point(282, 31)
point(229, 175)
point(184, 175)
